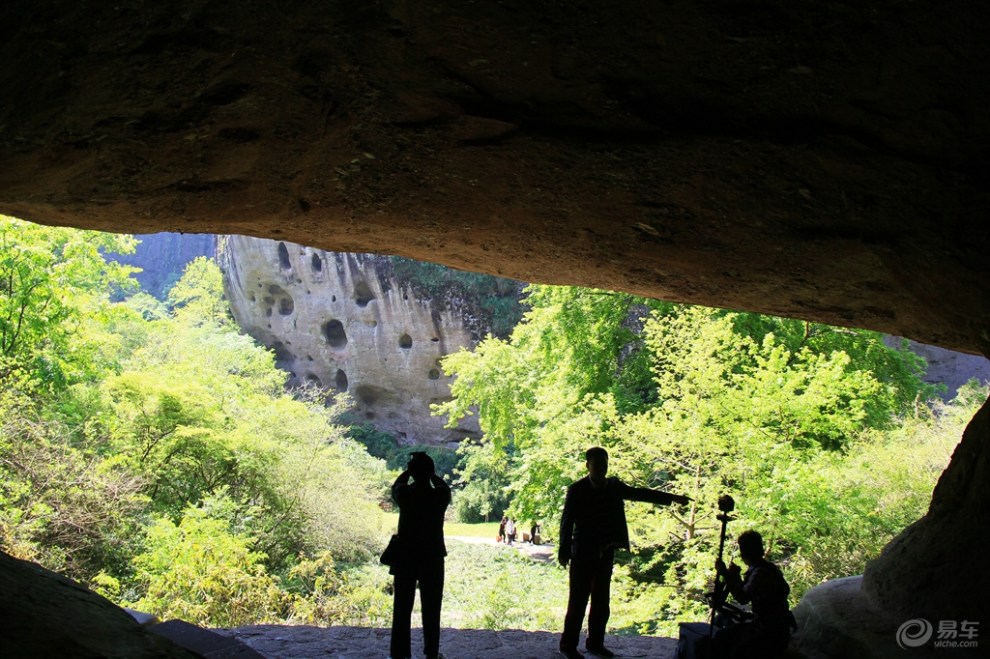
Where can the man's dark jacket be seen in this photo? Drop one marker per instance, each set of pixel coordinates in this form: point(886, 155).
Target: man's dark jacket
point(421, 512)
point(594, 518)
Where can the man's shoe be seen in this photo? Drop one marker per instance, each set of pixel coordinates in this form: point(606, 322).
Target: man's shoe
point(599, 651)
point(571, 654)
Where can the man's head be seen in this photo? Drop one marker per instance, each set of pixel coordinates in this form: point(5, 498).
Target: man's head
point(597, 460)
point(750, 547)
point(421, 466)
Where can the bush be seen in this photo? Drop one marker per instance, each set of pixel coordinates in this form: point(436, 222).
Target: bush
point(197, 570)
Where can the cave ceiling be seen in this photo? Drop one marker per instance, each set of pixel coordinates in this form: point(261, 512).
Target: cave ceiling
point(821, 160)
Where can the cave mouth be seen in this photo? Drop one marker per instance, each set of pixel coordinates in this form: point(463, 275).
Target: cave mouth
point(335, 334)
point(362, 293)
point(340, 380)
point(283, 257)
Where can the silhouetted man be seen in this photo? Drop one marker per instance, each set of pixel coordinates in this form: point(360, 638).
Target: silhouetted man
point(421, 509)
point(592, 527)
point(767, 635)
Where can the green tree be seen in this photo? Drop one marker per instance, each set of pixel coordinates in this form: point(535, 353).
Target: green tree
point(50, 278)
point(199, 570)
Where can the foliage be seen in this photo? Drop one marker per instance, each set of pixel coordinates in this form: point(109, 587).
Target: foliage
point(322, 595)
point(378, 443)
point(192, 411)
point(198, 295)
point(699, 401)
point(50, 279)
point(496, 298)
point(169, 426)
point(200, 570)
point(496, 588)
point(72, 510)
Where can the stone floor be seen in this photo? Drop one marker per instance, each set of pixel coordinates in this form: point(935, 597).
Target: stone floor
point(302, 642)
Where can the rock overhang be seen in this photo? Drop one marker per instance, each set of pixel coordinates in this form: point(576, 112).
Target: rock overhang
point(820, 160)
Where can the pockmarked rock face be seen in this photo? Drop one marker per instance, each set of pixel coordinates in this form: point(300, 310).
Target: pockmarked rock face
point(338, 321)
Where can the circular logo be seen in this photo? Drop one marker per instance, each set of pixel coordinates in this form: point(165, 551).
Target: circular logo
point(914, 633)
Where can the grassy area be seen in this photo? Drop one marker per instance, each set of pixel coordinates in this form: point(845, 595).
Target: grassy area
point(483, 530)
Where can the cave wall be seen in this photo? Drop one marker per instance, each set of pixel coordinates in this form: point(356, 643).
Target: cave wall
point(337, 321)
point(936, 568)
point(819, 160)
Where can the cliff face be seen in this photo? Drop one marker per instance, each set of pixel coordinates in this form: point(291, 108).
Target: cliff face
point(163, 257)
point(339, 320)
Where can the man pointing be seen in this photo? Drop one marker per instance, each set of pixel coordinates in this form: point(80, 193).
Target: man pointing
point(592, 527)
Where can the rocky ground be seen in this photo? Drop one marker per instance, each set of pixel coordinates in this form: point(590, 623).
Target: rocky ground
point(282, 642)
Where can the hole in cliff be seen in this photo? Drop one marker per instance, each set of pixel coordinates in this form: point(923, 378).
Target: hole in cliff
point(335, 334)
point(333, 298)
point(363, 294)
point(285, 305)
point(268, 313)
point(371, 323)
point(340, 380)
point(314, 379)
point(367, 394)
point(435, 339)
point(405, 341)
point(317, 263)
point(434, 374)
point(283, 356)
point(283, 257)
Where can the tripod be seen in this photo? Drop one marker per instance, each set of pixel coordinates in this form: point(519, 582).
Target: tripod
point(716, 599)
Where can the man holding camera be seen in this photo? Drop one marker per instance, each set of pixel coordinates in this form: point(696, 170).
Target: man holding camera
point(422, 504)
point(767, 634)
point(592, 527)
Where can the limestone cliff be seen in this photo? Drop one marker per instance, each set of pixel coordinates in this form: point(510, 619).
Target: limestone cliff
point(163, 257)
point(342, 321)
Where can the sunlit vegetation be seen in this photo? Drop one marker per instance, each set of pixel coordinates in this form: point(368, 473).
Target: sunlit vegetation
point(151, 450)
point(826, 437)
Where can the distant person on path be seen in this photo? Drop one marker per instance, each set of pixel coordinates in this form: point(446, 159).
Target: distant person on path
point(501, 529)
point(767, 635)
point(592, 527)
point(422, 504)
point(534, 533)
point(510, 530)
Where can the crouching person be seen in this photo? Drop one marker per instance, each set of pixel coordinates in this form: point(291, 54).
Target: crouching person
point(763, 587)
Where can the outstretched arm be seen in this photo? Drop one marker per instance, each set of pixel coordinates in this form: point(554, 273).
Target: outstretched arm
point(651, 496)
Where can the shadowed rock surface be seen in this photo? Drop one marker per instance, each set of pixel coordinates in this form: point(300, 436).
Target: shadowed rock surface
point(368, 643)
point(822, 160)
point(43, 614)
